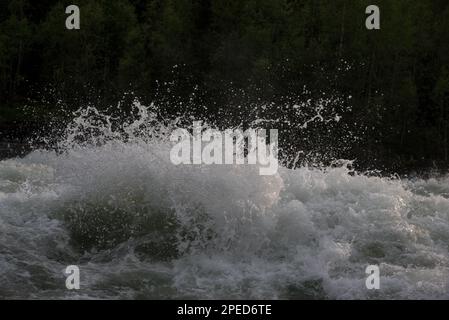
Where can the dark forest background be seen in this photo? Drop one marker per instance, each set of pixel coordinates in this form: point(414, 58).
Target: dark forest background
point(393, 83)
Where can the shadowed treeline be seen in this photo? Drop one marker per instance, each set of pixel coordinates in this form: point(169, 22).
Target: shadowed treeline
point(226, 53)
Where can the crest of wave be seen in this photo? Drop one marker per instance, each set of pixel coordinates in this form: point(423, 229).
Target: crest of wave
point(116, 183)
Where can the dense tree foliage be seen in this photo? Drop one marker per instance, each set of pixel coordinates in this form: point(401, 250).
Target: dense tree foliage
point(235, 52)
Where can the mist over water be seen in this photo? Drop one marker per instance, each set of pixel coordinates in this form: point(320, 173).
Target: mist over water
point(109, 200)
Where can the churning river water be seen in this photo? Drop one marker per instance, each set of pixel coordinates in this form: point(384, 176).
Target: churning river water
point(140, 227)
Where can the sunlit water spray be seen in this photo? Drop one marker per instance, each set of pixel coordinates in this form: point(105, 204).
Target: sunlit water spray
point(110, 201)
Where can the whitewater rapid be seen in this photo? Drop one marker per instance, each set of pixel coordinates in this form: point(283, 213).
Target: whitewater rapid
point(140, 227)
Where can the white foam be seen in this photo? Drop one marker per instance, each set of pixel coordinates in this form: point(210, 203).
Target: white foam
point(304, 233)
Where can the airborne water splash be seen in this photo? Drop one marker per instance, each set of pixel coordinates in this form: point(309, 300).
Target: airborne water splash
point(111, 202)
